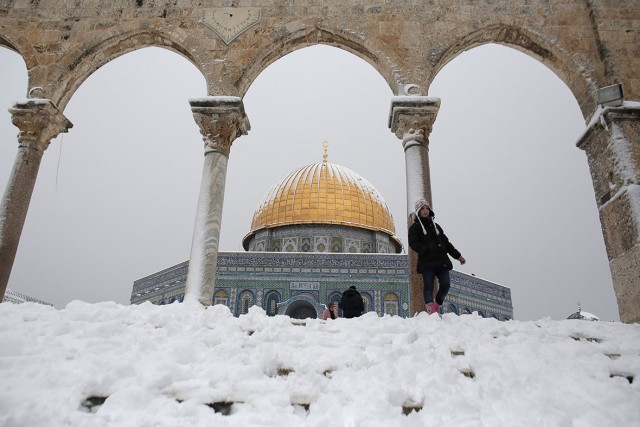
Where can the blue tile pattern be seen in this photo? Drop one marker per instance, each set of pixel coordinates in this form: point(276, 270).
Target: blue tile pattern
point(322, 277)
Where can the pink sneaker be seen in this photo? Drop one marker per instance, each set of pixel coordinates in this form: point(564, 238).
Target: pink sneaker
point(432, 308)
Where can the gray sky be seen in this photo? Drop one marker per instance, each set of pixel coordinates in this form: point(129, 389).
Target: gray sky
point(116, 197)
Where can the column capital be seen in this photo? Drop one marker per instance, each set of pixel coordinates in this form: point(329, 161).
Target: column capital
point(39, 121)
point(221, 120)
point(411, 118)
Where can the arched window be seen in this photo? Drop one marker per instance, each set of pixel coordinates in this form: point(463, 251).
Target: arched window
point(368, 305)
point(450, 308)
point(290, 244)
point(221, 297)
point(271, 303)
point(246, 301)
point(335, 297)
point(390, 304)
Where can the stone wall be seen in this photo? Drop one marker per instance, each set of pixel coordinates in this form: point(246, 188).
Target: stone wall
point(587, 43)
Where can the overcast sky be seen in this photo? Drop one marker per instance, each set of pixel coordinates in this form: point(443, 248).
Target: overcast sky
point(116, 197)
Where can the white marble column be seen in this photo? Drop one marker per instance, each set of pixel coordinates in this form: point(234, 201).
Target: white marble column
point(39, 121)
point(221, 120)
point(411, 119)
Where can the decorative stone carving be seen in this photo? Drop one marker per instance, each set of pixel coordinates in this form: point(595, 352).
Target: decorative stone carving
point(411, 118)
point(230, 22)
point(39, 121)
point(221, 120)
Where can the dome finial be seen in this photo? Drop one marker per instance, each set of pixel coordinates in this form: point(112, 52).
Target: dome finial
point(325, 144)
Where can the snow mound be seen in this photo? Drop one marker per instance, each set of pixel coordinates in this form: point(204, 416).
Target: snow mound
point(183, 365)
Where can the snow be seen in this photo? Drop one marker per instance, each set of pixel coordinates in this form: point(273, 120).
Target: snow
point(176, 365)
point(37, 101)
point(619, 146)
point(417, 100)
point(600, 111)
point(588, 315)
point(209, 99)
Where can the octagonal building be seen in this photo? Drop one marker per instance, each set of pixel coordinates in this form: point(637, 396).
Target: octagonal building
point(320, 230)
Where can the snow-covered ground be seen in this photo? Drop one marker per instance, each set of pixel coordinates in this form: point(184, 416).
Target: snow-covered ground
point(183, 365)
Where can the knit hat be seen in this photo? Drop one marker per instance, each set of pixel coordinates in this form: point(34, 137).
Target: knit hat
point(420, 203)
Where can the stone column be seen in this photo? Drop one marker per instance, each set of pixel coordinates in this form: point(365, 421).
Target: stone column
point(221, 120)
point(612, 144)
point(411, 119)
point(39, 121)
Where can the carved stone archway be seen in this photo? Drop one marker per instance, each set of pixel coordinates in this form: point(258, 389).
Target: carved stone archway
point(302, 310)
point(301, 307)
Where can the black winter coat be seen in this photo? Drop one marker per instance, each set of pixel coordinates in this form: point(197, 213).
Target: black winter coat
point(351, 303)
point(432, 248)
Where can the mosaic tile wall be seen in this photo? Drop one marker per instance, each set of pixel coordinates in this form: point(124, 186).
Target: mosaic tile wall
point(274, 280)
point(321, 239)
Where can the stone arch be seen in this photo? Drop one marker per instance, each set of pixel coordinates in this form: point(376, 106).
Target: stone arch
point(451, 308)
point(301, 310)
point(310, 36)
point(533, 45)
point(271, 300)
point(369, 302)
point(335, 296)
point(302, 307)
point(246, 299)
point(391, 303)
point(221, 296)
point(77, 66)
point(22, 48)
point(5, 43)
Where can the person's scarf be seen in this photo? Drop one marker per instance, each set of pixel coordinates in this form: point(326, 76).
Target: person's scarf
point(424, 230)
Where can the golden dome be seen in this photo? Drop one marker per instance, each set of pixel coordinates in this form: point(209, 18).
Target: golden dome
point(323, 193)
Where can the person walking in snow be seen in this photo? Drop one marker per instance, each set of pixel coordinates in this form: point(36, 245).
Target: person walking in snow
point(351, 303)
point(331, 312)
point(433, 247)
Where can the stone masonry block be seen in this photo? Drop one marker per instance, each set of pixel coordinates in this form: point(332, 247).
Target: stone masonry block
point(626, 283)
